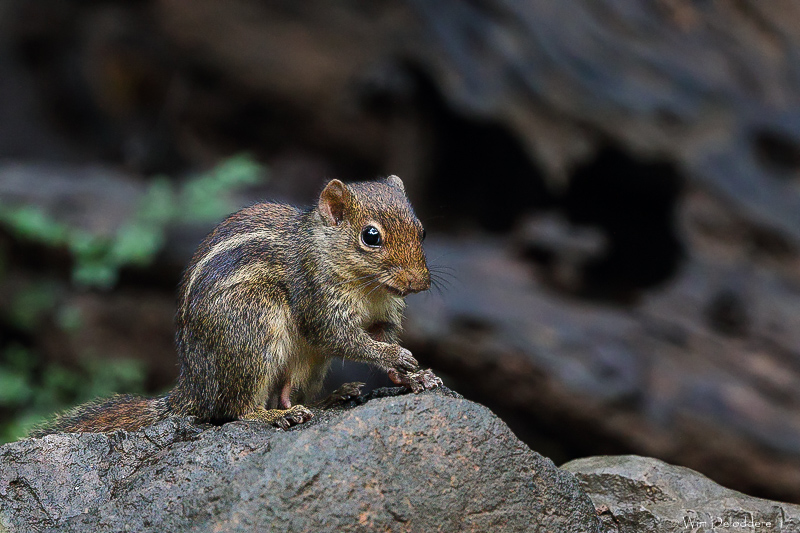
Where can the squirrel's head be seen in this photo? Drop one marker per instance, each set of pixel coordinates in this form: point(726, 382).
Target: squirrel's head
point(374, 235)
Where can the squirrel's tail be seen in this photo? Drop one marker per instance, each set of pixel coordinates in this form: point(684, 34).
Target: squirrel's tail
point(122, 411)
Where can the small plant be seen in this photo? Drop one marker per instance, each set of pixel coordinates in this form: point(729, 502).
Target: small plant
point(98, 259)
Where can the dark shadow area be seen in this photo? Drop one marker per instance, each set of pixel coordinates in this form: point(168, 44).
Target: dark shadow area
point(777, 152)
point(481, 172)
point(633, 203)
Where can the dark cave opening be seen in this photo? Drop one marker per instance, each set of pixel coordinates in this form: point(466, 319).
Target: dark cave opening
point(777, 152)
point(632, 201)
point(481, 173)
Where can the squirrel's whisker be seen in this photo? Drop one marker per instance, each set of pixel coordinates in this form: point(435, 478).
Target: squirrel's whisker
point(381, 281)
point(342, 282)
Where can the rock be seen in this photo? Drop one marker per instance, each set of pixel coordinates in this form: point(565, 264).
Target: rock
point(427, 462)
point(657, 378)
point(655, 81)
point(93, 198)
point(570, 91)
point(644, 495)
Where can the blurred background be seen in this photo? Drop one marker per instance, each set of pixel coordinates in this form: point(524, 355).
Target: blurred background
point(612, 187)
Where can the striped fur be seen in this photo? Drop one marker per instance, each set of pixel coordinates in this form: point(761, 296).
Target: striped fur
point(270, 296)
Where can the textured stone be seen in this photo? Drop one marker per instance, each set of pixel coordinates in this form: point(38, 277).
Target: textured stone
point(424, 462)
point(644, 495)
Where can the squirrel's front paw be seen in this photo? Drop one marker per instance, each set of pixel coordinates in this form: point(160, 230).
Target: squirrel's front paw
point(402, 361)
point(416, 381)
point(293, 416)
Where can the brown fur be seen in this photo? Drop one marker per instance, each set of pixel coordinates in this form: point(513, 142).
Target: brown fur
point(126, 412)
point(270, 296)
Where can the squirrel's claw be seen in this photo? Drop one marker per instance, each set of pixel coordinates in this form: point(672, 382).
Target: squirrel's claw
point(416, 381)
point(345, 393)
point(294, 416)
point(405, 362)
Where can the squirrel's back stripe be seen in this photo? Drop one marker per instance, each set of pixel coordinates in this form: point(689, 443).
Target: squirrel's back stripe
point(260, 270)
point(224, 246)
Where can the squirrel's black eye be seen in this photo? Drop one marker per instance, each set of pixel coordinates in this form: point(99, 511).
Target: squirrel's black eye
point(424, 234)
point(371, 236)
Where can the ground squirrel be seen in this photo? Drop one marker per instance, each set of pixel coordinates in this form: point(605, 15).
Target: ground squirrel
point(271, 295)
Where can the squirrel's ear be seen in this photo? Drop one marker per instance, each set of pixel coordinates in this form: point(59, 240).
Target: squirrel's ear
point(397, 182)
point(332, 202)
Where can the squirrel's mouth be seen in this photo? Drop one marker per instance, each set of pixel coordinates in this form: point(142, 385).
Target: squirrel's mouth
point(402, 293)
point(404, 283)
point(395, 291)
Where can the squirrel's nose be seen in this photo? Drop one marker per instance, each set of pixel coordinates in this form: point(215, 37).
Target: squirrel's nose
point(418, 280)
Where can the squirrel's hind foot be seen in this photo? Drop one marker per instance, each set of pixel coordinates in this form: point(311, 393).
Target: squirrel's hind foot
point(281, 418)
point(345, 393)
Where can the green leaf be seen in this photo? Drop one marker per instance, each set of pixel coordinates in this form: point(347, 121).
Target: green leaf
point(84, 245)
point(237, 171)
point(157, 206)
point(31, 223)
point(205, 196)
point(14, 387)
point(100, 274)
point(69, 319)
point(136, 244)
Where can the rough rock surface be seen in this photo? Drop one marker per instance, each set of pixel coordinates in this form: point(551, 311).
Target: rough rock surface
point(644, 495)
point(703, 372)
point(659, 79)
point(427, 462)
